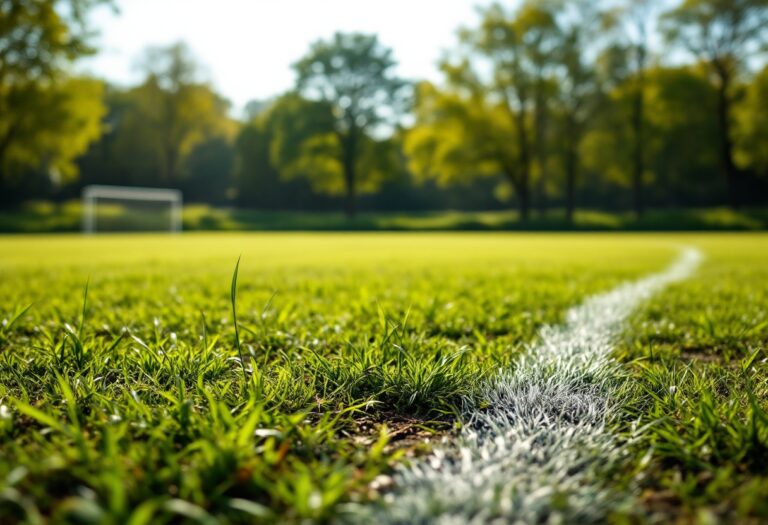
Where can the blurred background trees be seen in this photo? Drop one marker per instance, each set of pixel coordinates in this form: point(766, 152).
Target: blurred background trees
point(47, 117)
point(172, 130)
point(544, 105)
point(723, 35)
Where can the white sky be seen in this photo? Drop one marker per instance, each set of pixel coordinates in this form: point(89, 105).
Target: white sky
point(248, 46)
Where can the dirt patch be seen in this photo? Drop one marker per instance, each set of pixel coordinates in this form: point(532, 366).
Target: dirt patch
point(413, 435)
point(705, 356)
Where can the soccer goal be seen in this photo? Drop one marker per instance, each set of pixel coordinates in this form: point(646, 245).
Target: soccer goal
point(125, 208)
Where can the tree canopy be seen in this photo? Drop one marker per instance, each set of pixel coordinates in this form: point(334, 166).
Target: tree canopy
point(724, 34)
point(353, 76)
point(47, 117)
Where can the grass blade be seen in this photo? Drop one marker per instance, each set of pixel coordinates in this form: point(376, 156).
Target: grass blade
point(233, 298)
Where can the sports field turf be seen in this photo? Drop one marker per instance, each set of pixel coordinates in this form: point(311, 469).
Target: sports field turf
point(131, 403)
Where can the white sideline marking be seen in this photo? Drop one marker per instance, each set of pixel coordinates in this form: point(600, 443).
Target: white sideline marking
point(537, 454)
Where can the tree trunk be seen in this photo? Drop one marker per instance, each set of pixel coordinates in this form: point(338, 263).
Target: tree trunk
point(351, 204)
point(521, 185)
point(541, 193)
point(726, 142)
point(6, 194)
point(570, 182)
point(638, 118)
point(525, 198)
point(524, 190)
point(7, 199)
point(349, 161)
point(540, 121)
point(638, 150)
point(173, 138)
point(170, 165)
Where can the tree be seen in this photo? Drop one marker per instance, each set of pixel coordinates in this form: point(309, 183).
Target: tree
point(47, 118)
point(208, 171)
point(460, 137)
point(353, 75)
point(682, 136)
point(578, 93)
point(177, 107)
point(156, 126)
point(254, 108)
point(537, 28)
point(288, 156)
point(724, 34)
point(631, 20)
point(38, 38)
point(171, 130)
point(752, 126)
point(46, 127)
point(500, 42)
point(256, 179)
point(680, 150)
point(305, 144)
point(496, 119)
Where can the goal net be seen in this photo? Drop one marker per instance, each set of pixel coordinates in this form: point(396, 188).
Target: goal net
point(124, 208)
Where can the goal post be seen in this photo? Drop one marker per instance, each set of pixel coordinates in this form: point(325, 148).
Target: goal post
point(127, 196)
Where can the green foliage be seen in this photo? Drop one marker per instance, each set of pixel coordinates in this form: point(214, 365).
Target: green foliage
point(522, 71)
point(47, 119)
point(303, 142)
point(294, 138)
point(351, 79)
point(545, 104)
point(256, 179)
point(46, 127)
point(680, 149)
point(456, 138)
point(725, 35)
point(353, 73)
point(209, 171)
point(39, 36)
point(752, 125)
point(162, 121)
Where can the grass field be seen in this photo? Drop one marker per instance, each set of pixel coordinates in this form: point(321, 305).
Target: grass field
point(698, 356)
point(128, 394)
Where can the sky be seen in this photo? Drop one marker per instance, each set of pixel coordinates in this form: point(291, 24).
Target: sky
point(247, 46)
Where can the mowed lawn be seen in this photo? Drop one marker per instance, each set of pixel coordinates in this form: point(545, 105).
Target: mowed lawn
point(138, 402)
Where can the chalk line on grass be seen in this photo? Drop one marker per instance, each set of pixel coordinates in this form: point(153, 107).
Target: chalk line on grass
point(539, 451)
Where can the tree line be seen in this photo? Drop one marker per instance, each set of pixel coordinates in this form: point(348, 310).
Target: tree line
point(550, 104)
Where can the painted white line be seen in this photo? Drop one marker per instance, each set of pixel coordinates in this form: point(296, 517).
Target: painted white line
point(539, 452)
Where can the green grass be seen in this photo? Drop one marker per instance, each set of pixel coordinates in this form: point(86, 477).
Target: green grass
point(42, 217)
point(139, 400)
point(132, 404)
point(699, 363)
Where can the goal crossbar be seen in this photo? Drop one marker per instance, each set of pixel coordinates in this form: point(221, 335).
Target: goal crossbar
point(94, 192)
